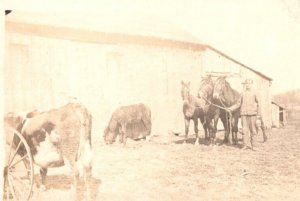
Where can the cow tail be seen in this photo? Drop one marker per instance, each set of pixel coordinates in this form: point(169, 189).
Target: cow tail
point(84, 154)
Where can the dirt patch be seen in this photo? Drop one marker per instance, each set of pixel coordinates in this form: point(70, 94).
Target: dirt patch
point(165, 170)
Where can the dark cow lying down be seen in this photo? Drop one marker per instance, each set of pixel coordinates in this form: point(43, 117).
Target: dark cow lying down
point(59, 136)
point(133, 121)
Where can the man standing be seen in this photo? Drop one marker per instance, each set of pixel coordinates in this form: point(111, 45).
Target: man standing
point(250, 111)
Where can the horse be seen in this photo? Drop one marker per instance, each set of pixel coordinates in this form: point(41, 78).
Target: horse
point(211, 112)
point(224, 96)
point(192, 110)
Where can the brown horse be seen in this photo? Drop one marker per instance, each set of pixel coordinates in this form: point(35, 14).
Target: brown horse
point(192, 110)
point(211, 112)
point(224, 96)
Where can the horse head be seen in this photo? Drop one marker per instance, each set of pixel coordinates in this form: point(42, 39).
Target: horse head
point(206, 87)
point(185, 91)
point(220, 86)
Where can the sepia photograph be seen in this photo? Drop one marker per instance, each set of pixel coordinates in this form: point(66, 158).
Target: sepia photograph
point(150, 100)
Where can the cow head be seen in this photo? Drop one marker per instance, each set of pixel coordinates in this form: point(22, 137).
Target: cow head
point(44, 143)
point(110, 135)
point(17, 121)
point(14, 121)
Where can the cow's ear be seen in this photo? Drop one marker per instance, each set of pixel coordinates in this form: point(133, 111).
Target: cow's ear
point(32, 114)
point(48, 126)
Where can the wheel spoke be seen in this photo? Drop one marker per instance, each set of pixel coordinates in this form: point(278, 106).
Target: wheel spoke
point(16, 187)
point(11, 189)
point(20, 171)
point(10, 148)
point(7, 189)
point(21, 159)
point(15, 153)
point(19, 180)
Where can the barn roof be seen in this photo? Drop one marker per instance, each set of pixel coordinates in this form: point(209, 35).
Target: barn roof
point(278, 105)
point(235, 61)
point(118, 23)
point(109, 27)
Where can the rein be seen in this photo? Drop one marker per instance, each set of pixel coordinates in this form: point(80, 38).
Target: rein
point(218, 106)
point(223, 108)
point(230, 116)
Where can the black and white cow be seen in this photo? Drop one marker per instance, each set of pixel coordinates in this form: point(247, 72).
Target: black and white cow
point(57, 137)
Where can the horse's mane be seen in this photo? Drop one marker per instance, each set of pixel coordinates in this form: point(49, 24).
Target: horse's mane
point(207, 82)
point(230, 94)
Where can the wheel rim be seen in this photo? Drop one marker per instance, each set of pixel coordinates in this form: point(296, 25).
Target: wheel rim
point(18, 172)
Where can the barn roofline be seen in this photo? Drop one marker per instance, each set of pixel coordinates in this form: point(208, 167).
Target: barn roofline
point(235, 61)
point(82, 35)
point(277, 105)
point(90, 36)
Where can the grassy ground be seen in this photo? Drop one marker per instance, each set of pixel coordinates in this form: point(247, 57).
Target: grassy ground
point(166, 169)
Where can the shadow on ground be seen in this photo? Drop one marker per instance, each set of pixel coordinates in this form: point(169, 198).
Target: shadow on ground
point(64, 183)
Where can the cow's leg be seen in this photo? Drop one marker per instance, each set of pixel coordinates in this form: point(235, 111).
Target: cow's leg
point(87, 175)
point(187, 125)
point(74, 186)
point(43, 172)
point(124, 139)
point(147, 124)
point(120, 138)
point(196, 130)
point(123, 133)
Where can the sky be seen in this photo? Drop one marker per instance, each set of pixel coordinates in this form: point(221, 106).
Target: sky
point(262, 34)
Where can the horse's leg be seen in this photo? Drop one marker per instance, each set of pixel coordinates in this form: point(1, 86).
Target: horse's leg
point(43, 172)
point(210, 127)
point(234, 123)
point(187, 125)
point(196, 130)
point(205, 125)
point(225, 124)
point(214, 128)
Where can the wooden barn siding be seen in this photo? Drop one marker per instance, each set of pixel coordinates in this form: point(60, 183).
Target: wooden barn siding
point(275, 116)
point(44, 72)
point(214, 62)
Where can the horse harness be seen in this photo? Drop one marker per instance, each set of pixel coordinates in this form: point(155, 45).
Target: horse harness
point(223, 108)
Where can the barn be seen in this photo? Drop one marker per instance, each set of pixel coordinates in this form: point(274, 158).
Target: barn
point(52, 59)
point(278, 115)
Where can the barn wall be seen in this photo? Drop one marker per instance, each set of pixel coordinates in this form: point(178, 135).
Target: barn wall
point(275, 116)
point(43, 73)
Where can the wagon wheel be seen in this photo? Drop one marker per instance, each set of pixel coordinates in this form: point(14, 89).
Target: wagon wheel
point(18, 172)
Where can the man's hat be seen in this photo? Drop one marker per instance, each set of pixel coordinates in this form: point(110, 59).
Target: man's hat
point(248, 81)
